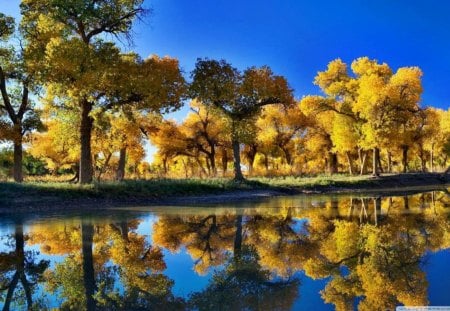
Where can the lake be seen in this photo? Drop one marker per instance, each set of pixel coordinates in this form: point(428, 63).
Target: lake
point(285, 253)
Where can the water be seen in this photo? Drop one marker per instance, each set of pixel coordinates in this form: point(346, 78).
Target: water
point(290, 253)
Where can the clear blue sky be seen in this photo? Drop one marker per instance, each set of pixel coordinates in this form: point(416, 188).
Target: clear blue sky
point(298, 38)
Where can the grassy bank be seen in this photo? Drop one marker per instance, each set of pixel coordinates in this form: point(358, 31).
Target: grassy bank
point(157, 190)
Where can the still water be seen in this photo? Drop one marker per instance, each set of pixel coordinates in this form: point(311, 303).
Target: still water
point(287, 253)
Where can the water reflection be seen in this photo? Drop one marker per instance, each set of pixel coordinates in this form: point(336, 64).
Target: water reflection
point(370, 252)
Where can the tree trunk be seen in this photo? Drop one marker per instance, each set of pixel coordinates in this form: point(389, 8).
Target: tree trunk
point(87, 236)
point(208, 165)
point(224, 161)
point(380, 167)
point(389, 158)
point(332, 163)
point(349, 160)
point(266, 162)
point(236, 153)
point(237, 160)
point(423, 161)
point(287, 156)
point(165, 166)
point(251, 155)
point(120, 174)
point(18, 154)
point(362, 160)
point(86, 170)
point(375, 162)
point(212, 161)
point(405, 158)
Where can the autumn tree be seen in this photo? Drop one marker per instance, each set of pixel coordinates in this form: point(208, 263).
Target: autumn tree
point(372, 103)
point(91, 72)
point(58, 145)
point(279, 129)
point(238, 95)
point(17, 81)
point(203, 130)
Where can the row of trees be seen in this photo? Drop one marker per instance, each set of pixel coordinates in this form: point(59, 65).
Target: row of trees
point(255, 257)
point(99, 104)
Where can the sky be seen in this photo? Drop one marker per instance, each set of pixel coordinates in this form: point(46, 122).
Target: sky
point(299, 38)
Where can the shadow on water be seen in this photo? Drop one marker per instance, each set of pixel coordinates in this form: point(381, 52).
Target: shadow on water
point(365, 252)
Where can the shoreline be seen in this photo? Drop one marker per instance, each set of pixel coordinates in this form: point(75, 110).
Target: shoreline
point(24, 198)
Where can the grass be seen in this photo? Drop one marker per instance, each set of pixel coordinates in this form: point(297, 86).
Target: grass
point(36, 192)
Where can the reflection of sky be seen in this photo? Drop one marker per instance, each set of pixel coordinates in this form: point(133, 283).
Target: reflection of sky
point(437, 269)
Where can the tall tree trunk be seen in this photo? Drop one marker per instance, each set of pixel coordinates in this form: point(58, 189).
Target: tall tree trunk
point(287, 156)
point(332, 163)
point(165, 166)
point(86, 170)
point(266, 162)
point(212, 160)
point(423, 161)
point(208, 165)
point(389, 159)
point(380, 167)
point(405, 158)
point(236, 153)
point(120, 174)
point(237, 160)
point(362, 160)
point(18, 154)
point(376, 154)
point(251, 155)
point(350, 164)
point(87, 236)
point(224, 154)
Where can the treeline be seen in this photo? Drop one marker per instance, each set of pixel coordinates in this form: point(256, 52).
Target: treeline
point(99, 105)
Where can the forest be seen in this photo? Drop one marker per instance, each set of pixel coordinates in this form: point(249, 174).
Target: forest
point(76, 106)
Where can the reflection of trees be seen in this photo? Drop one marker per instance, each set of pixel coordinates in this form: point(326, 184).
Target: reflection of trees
point(140, 266)
point(230, 240)
point(369, 249)
point(244, 285)
point(280, 242)
point(100, 255)
point(18, 267)
point(381, 251)
point(207, 239)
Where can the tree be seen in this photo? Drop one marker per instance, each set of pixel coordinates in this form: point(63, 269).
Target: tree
point(17, 80)
point(239, 96)
point(204, 130)
point(58, 145)
point(280, 127)
point(91, 72)
point(386, 101)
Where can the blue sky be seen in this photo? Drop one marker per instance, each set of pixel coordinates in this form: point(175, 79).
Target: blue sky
point(298, 38)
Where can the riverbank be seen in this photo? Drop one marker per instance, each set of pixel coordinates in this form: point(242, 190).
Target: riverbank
point(47, 196)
